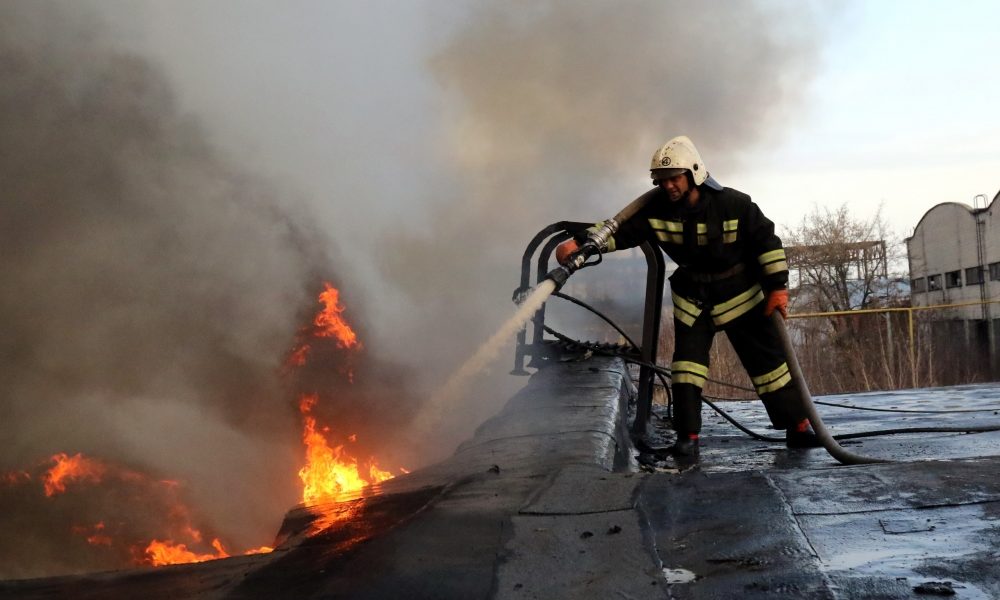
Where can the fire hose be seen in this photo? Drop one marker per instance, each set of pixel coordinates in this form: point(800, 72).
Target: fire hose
point(829, 444)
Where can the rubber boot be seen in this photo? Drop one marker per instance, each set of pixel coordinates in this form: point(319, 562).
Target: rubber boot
point(782, 406)
point(801, 435)
point(687, 408)
point(685, 446)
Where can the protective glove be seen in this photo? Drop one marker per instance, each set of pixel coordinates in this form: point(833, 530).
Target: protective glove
point(777, 300)
point(565, 250)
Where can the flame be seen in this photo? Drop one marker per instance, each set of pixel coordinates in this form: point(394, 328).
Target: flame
point(328, 472)
point(329, 323)
point(15, 477)
point(160, 553)
point(376, 474)
point(94, 534)
point(63, 473)
point(71, 468)
point(167, 552)
point(298, 356)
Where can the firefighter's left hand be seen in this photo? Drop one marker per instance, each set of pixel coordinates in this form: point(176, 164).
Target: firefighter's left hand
point(777, 300)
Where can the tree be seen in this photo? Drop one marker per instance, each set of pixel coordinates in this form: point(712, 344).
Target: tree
point(841, 262)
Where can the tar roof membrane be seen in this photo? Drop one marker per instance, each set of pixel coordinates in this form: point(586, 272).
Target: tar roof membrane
point(548, 500)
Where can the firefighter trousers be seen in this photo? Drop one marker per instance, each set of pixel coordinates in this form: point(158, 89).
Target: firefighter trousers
point(758, 345)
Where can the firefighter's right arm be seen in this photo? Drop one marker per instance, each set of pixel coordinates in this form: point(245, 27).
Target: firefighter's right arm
point(629, 235)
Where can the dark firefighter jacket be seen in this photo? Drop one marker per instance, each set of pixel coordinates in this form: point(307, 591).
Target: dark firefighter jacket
point(727, 254)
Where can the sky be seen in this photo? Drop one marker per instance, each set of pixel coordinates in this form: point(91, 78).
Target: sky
point(896, 112)
point(179, 178)
point(900, 115)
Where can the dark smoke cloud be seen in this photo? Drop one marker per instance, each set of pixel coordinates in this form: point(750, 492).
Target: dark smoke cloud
point(150, 288)
point(552, 105)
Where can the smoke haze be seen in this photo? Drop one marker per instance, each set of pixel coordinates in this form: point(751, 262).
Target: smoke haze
point(552, 105)
point(154, 283)
point(150, 289)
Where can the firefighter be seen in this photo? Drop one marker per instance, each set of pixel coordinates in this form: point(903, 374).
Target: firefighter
point(731, 276)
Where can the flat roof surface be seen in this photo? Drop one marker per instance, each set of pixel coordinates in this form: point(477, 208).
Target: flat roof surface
point(547, 500)
point(754, 519)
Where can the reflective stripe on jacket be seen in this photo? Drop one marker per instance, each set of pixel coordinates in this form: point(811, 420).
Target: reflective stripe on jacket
point(724, 229)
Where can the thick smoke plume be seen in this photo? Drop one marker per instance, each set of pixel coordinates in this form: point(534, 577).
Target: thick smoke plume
point(553, 105)
point(152, 291)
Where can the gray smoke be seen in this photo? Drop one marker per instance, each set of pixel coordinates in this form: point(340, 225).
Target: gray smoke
point(150, 288)
point(554, 111)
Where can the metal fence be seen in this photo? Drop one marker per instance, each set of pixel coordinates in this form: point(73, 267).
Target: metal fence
point(893, 348)
point(870, 349)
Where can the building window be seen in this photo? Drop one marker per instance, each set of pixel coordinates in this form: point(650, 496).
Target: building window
point(953, 279)
point(933, 283)
point(918, 285)
point(995, 271)
point(973, 275)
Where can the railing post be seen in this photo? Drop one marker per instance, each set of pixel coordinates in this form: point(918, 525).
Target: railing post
point(913, 349)
point(655, 271)
point(538, 320)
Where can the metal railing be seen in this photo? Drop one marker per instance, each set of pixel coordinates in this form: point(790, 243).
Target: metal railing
point(909, 310)
point(538, 351)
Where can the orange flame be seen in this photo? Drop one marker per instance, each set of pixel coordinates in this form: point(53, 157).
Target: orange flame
point(298, 356)
point(15, 477)
point(66, 469)
point(329, 473)
point(376, 474)
point(168, 553)
point(71, 468)
point(330, 323)
point(94, 535)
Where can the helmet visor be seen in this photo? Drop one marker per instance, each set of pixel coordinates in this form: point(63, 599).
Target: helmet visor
point(659, 174)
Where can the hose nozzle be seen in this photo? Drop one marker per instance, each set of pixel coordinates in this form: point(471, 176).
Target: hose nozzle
point(558, 275)
point(595, 244)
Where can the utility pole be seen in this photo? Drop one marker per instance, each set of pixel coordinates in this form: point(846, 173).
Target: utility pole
point(984, 288)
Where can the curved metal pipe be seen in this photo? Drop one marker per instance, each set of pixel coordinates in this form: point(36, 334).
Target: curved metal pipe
point(830, 444)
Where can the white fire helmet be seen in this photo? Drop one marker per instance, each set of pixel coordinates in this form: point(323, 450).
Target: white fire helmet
point(675, 157)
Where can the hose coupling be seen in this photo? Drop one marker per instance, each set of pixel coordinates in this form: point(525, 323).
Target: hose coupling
point(602, 234)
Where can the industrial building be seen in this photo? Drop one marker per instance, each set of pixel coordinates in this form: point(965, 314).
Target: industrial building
point(954, 258)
